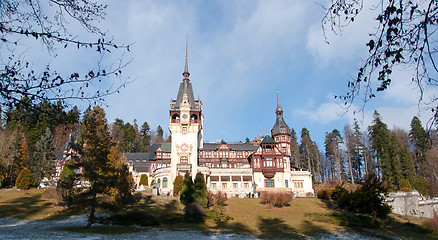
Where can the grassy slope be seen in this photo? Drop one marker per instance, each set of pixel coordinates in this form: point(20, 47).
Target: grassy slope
point(266, 220)
point(308, 216)
point(311, 217)
point(26, 204)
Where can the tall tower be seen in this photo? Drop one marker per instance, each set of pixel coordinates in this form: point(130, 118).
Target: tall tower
point(281, 131)
point(186, 128)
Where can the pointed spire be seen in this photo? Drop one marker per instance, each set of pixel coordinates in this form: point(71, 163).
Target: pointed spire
point(186, 73)
point(279, 110)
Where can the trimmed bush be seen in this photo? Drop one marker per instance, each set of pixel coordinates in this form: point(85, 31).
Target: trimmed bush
point(24, 179)
point(324, 194)
point(177, 185)
point(276, 199)
point(143, 180)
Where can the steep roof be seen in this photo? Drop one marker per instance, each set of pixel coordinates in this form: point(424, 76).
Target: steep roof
point(268, 139)
point(141, 169)
point(136, 156)
point(185, 88)
point(279, 123)
point(277, 127)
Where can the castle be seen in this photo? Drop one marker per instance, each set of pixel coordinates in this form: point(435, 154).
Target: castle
point(237, 169)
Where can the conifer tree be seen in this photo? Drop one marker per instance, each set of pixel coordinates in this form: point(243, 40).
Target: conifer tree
point(420, 141)
point(24, 180)
point(96, 168)
point(43, 161)
point(145, 136)
point(379, 139)
point(177, 185)
point(295, 152)
point(20, 157)
point(200, 190)
point(187, 191)
point(124, 183)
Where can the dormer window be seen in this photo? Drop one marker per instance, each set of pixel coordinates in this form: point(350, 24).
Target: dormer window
point(283, 130)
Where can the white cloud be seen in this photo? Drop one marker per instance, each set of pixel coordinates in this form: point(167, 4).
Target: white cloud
point(348, 45)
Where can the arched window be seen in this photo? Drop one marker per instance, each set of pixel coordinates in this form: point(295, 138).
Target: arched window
point(194, 118)
point(159, 182)
point(175, 118)
point(164, 182)
point(184, 160)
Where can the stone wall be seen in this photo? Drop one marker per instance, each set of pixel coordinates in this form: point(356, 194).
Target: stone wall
point(412, 204)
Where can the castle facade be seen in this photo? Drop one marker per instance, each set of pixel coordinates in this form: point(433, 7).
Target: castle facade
point(237, 169)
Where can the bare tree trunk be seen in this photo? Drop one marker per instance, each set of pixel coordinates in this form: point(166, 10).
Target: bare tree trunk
point(350, 166)
point(93, 209)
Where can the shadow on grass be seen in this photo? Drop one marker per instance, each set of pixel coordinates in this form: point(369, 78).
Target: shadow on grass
point(276, 227)
point(24, 207)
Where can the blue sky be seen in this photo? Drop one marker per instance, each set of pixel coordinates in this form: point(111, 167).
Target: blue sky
point(240, 53)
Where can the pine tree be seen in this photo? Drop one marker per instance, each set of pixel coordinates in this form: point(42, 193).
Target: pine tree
point(379, 139)
point(177, 185)
point(188, 190)
point(20, 157)
point(43, 161)
point(146, 136)
point(66, 182)
point(160, 131)
point(295, 152)
point(333, 153)
point(421, 143)
point(124, 183)
point(96, 168)
point(200, 190)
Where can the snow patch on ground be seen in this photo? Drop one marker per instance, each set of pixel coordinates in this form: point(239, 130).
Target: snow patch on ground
point(56, 229)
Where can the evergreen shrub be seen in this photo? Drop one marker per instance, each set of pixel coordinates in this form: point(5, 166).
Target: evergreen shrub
point(200, 190)
point(143, 180)
point(369, 199)
point(24, 179)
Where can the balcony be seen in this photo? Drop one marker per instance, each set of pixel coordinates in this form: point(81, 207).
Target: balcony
point(184, 167)
point(268, 172)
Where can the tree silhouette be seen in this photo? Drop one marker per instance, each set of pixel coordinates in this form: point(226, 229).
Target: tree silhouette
point(405, 37)
point(28, 24)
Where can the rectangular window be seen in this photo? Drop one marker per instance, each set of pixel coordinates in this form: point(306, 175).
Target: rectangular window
point(286, 183)
point(269, 162)
point(239, 164)
point(184, 130)
point(224, 185)
point(213, 185)
point(224, 165)
point(235, 185)
point(269, 183)
point(298, 184)
point(246, 185)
